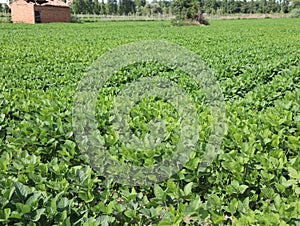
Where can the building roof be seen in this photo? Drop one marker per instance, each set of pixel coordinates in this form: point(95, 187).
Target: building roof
point(48, 3)
point(56, 3)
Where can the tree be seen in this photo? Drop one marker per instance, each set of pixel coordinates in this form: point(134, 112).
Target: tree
point(97, 7)
point(245, 7)
point(126, 7)
point(79, 6)
point(233, 6)
point(88, 7)
point(148, 8)
point(156, 8)
point(253, 6)
point(140, 3)
point(188, 10)
point(103, 8)
point(210, 6)
point(295, 3)
point(165, 6)
point(112, 6)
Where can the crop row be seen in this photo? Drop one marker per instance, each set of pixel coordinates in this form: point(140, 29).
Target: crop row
point(45, 179)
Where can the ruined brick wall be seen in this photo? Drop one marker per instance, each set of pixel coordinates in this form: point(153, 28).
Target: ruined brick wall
point(54, 13)
point(22, 12)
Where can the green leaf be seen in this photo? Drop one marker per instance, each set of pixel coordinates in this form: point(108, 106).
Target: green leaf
point(188, 188)
point(4, 214)
point(213, 201)
point(37, 214)
point(110, 207)
point(33, 200)
point(233, 205)
point(53, 206)
point(8, 194)
point(7, 212)
point(243, 207)
point(130, 213)
point(171, 187)
point(193, 207)
point(293, 173)
point(21, 190)
point(277, 202)
point(63, 204)
point(196, 203)
point(159, 192)
point(288, 183)
point(62, 216)
point(105, 220)
point(23, 208)
point(242, 188)
point(86, 196)
point(16, 215)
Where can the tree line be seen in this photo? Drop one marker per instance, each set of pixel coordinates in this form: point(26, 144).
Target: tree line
point(156, 7)
point(171, 7)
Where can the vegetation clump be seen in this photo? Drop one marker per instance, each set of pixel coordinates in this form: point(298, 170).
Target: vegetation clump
point(188, 13)
point(295, 13)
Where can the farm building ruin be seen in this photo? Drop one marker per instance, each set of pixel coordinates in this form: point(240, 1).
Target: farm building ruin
point(40, 11)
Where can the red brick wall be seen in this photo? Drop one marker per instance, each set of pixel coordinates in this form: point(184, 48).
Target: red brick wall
point(54, 13)
point(22, 12)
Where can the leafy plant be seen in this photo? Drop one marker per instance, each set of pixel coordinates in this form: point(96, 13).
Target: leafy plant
point(295, 13)
point(45, 179)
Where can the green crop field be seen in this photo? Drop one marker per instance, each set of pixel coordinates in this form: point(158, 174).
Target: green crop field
point(46, 179)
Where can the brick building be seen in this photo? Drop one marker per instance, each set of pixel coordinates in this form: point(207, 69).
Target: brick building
point(40, 11)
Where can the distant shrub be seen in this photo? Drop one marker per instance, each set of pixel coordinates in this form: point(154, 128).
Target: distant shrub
point(178, 22)
point(75, 19)
point(6, 19)
point(295, 13)
point(189, 22)
point(204, 21)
